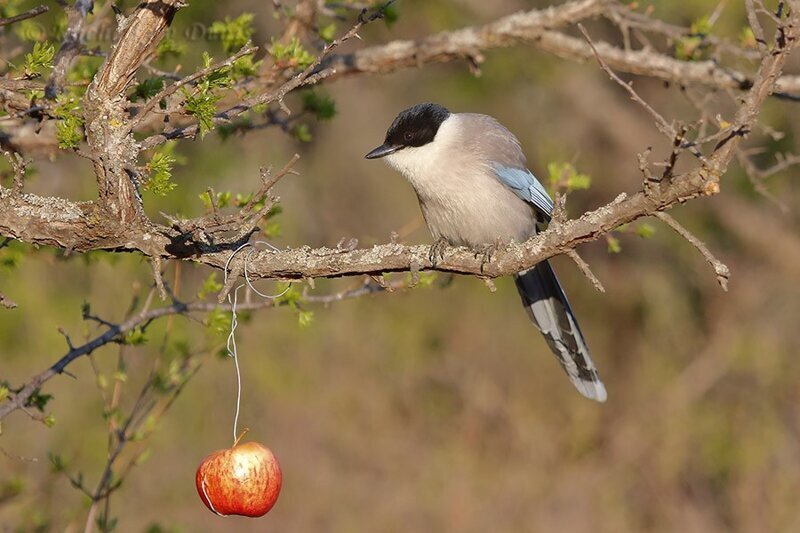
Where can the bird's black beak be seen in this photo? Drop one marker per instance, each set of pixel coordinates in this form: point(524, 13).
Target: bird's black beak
point(382, 151)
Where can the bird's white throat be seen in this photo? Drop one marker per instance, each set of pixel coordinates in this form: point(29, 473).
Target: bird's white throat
point(419, 163)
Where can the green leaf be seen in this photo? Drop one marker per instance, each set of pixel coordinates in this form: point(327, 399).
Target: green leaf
point(328, 33)
point(291, 53)
point(245, 67)
point(83, 70)
point(135, 337)
point(69, 129)
point(390, 15)
point(747, 38)
point(39, 59)
point(202, 101)
point(242, 199)
point(205, 197)
point(38, 400)
point(224, 198)
point(305, 318)
point(291, 297)
point(701, 26)
point(614, 246)
point(3, 393)
point(147, 89)
point(272, 229)
point(169, 47)
point(694, 46)
point(426, 279)
point(218, 323)
point(57, 462)
point(645, 230)
point(159, 171)
point(210, 286)
point(320, 105)
point(143, 457)
point(11, 256)
point(563, 175)
point(203, 106)
point(233, 34)
point(302, 133)
point(689, 49)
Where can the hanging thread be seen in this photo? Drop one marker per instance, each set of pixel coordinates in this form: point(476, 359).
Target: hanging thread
point(234, 301)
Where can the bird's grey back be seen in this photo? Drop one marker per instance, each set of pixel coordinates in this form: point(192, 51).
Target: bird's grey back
point(493, 141)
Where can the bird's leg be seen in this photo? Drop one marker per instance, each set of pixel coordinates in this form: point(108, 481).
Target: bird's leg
point(487, 251)
point(437, 251)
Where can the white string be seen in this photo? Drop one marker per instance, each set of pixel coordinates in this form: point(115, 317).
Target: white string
point(231, 344)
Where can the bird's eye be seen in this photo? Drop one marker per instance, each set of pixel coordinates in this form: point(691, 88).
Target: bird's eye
point(408, 136)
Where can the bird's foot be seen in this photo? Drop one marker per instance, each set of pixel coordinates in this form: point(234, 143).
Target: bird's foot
point(437, 251)
point(487, 251)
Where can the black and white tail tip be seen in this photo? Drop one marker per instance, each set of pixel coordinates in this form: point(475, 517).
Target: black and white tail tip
point(548, 308)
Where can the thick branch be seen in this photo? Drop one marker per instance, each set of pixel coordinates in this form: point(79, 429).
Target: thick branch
point(61, 225)
point(536, 28)
point(466, 43)
point(306, 263)
point(140, 34)
point(104, 107)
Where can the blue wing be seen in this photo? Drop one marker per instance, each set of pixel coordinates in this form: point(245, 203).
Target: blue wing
point(526, 186)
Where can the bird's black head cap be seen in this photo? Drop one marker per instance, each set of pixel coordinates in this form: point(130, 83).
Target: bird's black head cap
point(416, 126)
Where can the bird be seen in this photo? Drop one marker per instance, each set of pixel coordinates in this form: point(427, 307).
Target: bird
point(474, 188)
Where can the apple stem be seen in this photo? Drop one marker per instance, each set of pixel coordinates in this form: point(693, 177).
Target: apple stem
point(240, 437)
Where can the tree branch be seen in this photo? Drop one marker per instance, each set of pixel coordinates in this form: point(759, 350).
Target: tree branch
point(309, 76)
point(70, 46)
point(35, 12)
point(81, 228)
point(104, 107)
point(466, 43)
point(535, 27)
point(721, 269)
point(114, 332)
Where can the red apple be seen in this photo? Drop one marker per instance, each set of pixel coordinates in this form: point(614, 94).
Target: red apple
point(244, 480)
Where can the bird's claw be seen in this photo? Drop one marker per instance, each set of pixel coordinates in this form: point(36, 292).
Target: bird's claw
point(487, 252)
point(436, 253)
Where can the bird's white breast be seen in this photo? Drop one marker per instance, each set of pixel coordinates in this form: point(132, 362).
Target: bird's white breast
point(461, 200)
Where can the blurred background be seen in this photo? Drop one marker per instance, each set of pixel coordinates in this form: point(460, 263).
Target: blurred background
point(440, 408)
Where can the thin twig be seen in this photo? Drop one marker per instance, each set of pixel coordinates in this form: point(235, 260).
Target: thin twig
point(586, 269)
point(167, 91)
point(155, 262)
point(70, 48)
point(17, 163)
point(268, 181)
point(35, 12)
point(115, 331)
point(661, 123)
point(6, 302)
point(721, 269)
point(756, 178)
point(308, 76)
